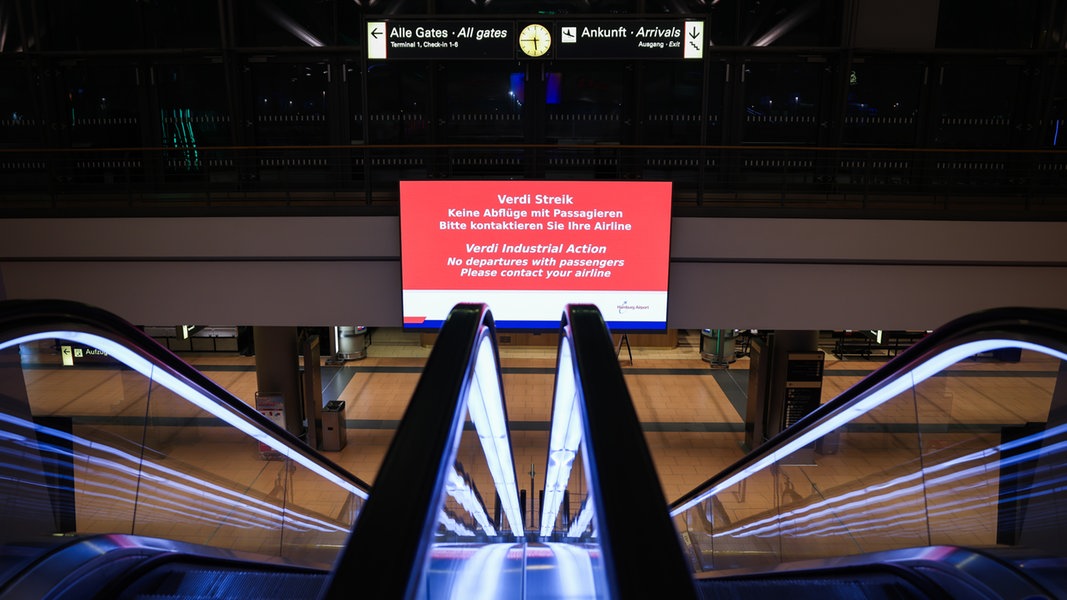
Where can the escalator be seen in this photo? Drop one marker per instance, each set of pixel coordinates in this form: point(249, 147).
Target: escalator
point(445, 518)
point(916, 500)
point(955, 508)
point(899, 482)
point(414, 541)
point(133, 459)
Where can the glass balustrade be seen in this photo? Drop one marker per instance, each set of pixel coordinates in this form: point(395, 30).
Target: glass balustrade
point(477, 543)
point(906, 464)
point(100, 438)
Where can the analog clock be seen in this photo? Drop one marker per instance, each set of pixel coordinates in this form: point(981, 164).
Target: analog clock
point(535, 40)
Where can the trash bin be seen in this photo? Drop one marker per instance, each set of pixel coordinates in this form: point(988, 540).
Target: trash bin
point(718, 346)
point(351, 342)
point(334, 435)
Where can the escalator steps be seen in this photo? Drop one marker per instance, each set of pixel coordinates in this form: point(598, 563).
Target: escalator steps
point(191, 583)
point(878, 586)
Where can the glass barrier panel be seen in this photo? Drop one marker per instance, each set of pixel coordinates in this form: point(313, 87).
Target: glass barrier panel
point(983, 457)
point(856, 489)
point(475, 547)
point(567, 561)
point(568, 537)
point(719, 535)
point(575, 519)
point(907, 465)
point(126, 454)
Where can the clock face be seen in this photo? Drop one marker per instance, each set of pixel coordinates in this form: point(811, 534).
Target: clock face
point(535, 40)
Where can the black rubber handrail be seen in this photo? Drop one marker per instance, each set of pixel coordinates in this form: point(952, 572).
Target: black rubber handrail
point(1047, 327)
point(19, 318)
point(642, 554)
point(388, 547)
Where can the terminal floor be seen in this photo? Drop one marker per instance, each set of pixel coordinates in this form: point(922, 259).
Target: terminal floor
point(693, 414)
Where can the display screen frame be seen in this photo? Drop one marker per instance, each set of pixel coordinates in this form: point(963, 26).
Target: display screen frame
point(527, 248)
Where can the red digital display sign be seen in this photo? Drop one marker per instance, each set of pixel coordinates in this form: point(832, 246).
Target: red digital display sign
point(529, 248)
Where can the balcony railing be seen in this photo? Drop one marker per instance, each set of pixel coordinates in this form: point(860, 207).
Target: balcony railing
point(862, 181)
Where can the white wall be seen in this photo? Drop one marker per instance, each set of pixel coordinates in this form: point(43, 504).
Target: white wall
point(858, 274)
point(749, 273)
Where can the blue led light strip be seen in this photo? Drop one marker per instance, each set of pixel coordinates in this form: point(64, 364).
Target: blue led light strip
point(198, 398)
point(863, 405)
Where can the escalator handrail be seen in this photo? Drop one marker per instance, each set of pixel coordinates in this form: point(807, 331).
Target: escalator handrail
point(20, 318)
point(643, 557)
point(1042, 326)
point(388, 546)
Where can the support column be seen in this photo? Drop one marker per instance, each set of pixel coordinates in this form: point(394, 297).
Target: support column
point(312, 385)
point(784, 382)
point(278, 370)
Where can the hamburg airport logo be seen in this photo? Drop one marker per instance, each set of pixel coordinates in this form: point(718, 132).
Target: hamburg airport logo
point(625, 306)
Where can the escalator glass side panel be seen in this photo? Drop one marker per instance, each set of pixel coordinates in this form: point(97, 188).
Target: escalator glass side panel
point(473, 550)
point(132, 443)
point(601, 490)
point(446, 512)
point(565, 506)
point(487, 416)
point(568, 509)
point(905, 463)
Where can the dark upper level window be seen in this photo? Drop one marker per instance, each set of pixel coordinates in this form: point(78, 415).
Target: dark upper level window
point(997, 24)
